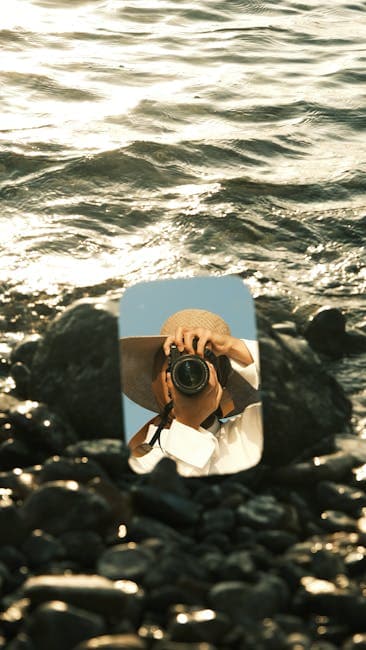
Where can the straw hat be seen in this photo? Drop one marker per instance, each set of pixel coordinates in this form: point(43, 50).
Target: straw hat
point(138, 353)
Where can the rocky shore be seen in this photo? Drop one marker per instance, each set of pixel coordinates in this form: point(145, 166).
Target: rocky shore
point(92, 556)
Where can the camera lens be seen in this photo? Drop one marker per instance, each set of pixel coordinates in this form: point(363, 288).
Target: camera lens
point(190, 374)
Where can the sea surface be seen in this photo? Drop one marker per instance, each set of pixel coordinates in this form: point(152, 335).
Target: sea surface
point(144, 139)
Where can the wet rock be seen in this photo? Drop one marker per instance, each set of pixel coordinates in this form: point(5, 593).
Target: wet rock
point(20, 482)
point(261, 512)
point(21, 642)
point(217, 521)
point(111, 454)
point(21, 375)
point(333, 598)
point(24, 351)
point(76, 368)
point(333, 520)
point(339, 496)
point(353, 445)
point(83, 546)
point(12, 526)
point(302, 403)
point(60, 468)
point(193, 624)
point(126, 561)
point(164, 477)
point(276, 541)
point(141, 528)
point(170, 508)
point(333, 467)
point(243, 601)
point(40, 548)
point(113, 642)
point(64, 505)
point(91, 592)
point(13, 617)
point(357, 642)
point(326, 332)
point(15, 453)
point(58, 626)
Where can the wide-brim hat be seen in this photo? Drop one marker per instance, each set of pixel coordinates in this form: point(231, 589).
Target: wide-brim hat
point(138, 354)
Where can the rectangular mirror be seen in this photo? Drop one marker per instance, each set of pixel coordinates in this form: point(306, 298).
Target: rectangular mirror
point(190, 375)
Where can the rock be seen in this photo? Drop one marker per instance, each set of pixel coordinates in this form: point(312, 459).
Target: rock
point(326, 332)
point(339, 496)
point(21, 375)
point(170, 508)
point(244, 602)
point(75, 368)
point(83, 547)
point(125, 561)
point(37, 427)
point(357, 642)
point(40, 548)
point(64, 505)
point(91, 592)
point(24, 351)
point(59, 468)
point(58, 626)
point(333, 467)
point(333, 520)
point(113, 642)
point(12, 527)
point(302, 403)
point(111, 454)
point(261, 512)
point(193, 624)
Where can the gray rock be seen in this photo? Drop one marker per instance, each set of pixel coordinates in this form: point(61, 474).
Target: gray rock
point(125, 561)
point(76, 368)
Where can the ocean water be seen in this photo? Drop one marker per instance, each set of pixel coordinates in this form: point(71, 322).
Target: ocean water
point(160, 138)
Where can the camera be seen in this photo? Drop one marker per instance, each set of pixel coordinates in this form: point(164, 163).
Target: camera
point(190, 373)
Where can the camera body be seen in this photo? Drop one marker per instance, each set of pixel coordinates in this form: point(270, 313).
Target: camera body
point(190, 373)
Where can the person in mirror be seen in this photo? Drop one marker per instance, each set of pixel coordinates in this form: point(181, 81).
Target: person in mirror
point(215, 431)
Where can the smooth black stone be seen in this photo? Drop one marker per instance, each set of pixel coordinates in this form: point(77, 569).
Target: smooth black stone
point(326, 332)
point(242, 601)
point(164, 477)
point(191, 625)
point(332, 467)
point(21, 642)
point(20, 482)
point(37, 426)
point(25, 350)
point(332, 520)
point(162, 598)
point(91, 592)
point(21, 375)
point(218, 520)
point(337, 496)
point(110, 453)
point(141, 528)
point(113, 642)
point(58, 626)
point(325, 628)
point(177, 645)
point(238, 565)
point(170, 508)
point(76, 368)
point(15, 453)
point(171, 565)
point(65, 505)
point(261, 512)
point(60, 468)
point(13, 529)
point(276, 541)
point(315, 559)
point(353, 445)
point(355, 561)
point(12, 557)
point(209, 495)
point(40, 548)
point(125, 561)
point(82, 546)
point(325, 597)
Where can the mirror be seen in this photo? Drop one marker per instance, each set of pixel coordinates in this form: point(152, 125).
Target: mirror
point(196, 401)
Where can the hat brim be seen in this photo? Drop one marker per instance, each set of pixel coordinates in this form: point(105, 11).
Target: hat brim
point(137, 359)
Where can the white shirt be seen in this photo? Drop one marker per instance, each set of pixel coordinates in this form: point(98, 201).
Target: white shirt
point(225, 448)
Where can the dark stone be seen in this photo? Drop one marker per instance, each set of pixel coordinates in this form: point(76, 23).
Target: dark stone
point(12, 619)
point(177, 645)
point(25, 350)
point(36, 426)
point(40, 548)
point(58, 626)
point(125, 561)
point(332, 467)
point(216, 521)
point(20, 482)
point(113, 642)
point(261, 512)
point(170, 508)
point(76, 368)
point(111, 454)
point(21, 375)
point(21, 642)
point(164, 597)
point(91, 592)
point(82, 546)
point(193, 624)
point(276, 541)
point(302, 403)
point(326, 332)
point(326, 597)
point(65, 505)
point(141, 528)
point(357, 642)
point(238, 565)
point(336, 496)
point(244, 602)
point(332, 520)
point(164, 477)
point(59, 468)
point(12, 527)
point(14, 453)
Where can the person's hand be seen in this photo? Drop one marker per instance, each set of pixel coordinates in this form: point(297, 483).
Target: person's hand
point(219, 344)
point(192, 410)
point(183, 338)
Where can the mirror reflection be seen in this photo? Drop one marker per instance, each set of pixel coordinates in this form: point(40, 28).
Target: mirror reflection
point(190, 375)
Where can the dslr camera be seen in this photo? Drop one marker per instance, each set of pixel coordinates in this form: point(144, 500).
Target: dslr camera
point(190, 373)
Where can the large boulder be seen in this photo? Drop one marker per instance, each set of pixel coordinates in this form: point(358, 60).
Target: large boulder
point(303, 405)
point(75, 368)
